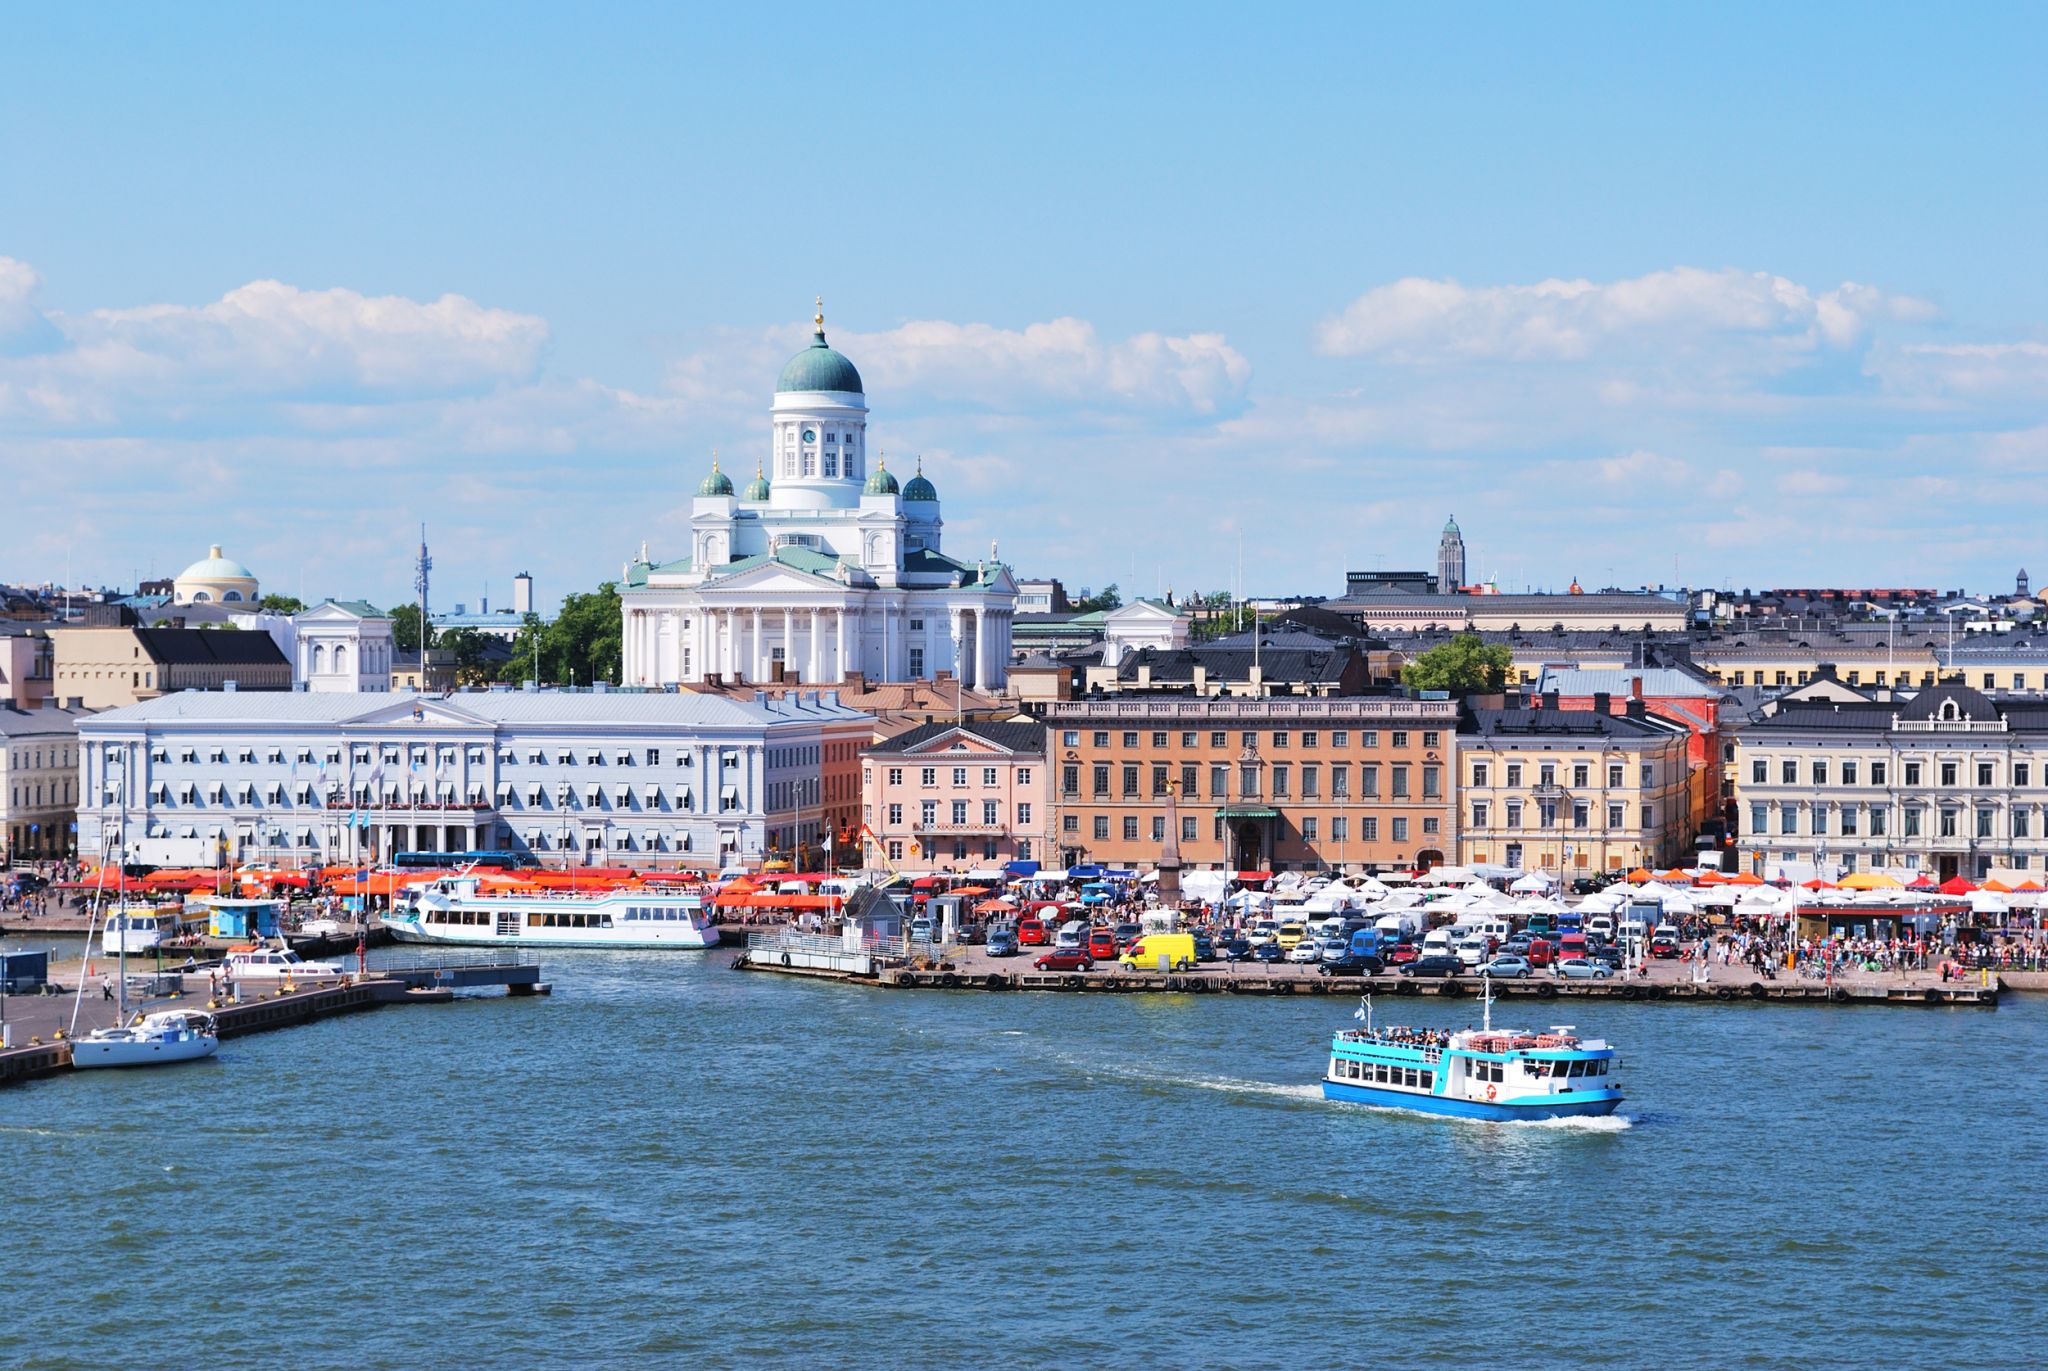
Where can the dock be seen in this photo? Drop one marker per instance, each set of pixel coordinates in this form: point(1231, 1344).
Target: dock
point(35, 1022)
point(888, 967)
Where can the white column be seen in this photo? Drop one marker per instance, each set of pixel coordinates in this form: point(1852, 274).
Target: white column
point(788, 640)
point(981, 646)
point(757, 654)
point(839, 620)
point(816, 668)
point(953, 616)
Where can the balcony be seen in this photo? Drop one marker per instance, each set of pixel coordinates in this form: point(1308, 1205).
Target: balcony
point(942, 828)
point(421, 806)
point(1548, 790)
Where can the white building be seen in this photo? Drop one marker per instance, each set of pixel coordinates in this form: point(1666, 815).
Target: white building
point(676, 780)
point(342, 646)
point(38, 782)
point(1141, 624)
point(825, 569)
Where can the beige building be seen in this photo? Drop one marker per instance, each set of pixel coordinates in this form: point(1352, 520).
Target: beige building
point(1573, 791)
point(38, 783)
point(105, 668)
point(215, 579)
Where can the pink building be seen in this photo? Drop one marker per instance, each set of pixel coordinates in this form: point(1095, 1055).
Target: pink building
point(959, 795)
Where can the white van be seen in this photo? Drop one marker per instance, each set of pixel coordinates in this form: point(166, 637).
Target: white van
point(1492, 926)
point(1262, 931)
point(1474, 950)
point(1438, 941)
point(1601, 926)
point(1073, 936)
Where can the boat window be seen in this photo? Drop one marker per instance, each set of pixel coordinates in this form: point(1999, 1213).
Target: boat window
point(1429, 1080)
point(1408, 1077)
point(604, 921)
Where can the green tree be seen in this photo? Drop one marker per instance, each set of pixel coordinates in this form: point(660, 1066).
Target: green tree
point(282, 604)
point(1465, 665)
point(584, 642)
point(472, 652)
point(1106, 598)
point(405, 627)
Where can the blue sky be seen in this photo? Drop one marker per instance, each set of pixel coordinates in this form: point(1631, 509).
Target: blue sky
point(1749, 295)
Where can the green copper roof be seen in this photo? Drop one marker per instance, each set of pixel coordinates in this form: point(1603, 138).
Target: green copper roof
point(757, 489)
point(819, 367)
point(880, 482)
point(918, 488)
point(1451, 525)
point(717, 483)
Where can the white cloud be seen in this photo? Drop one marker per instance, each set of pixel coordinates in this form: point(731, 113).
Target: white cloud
point(1061, 364)
point(1969, 371)
point(1418, 321)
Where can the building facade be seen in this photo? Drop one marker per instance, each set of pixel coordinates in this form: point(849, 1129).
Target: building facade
point(826, 568)
point(215, 578)
point(1573, 792)
point(343, 646)
point(661, 780)
point(948, 794)
point(1951, 782)
point(105, 668)
point(38, 783)
point(1260, 783)
point(1450, 558)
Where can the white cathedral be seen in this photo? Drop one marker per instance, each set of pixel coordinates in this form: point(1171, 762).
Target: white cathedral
point(826, 569)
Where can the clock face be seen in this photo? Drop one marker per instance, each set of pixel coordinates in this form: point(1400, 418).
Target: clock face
point(810, 435)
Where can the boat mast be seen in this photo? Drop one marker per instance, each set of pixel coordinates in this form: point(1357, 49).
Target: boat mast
point(99, 905)
point(1486, 1019)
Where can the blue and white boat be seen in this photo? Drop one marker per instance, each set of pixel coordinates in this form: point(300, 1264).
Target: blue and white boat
point(1475, 1073)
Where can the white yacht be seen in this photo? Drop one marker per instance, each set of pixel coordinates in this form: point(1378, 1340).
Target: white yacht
point(454, 909)
point(136, 930)
point(177, 1035)
point(250, 964)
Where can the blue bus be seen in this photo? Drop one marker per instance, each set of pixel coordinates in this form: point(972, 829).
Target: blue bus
point(504, 860)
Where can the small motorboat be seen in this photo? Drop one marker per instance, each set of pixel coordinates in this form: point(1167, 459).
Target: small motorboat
point(251, 964)
point(177, 1035)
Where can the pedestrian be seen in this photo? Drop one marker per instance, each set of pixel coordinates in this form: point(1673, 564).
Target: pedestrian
point(106, 987)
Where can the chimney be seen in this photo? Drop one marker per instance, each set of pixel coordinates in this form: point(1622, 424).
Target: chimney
point(1201, 679)
point(853, 681)
point(1549, 699)
point(1635, 687)
point(1603, 703)
point(1637, 709)
point(1144, 675)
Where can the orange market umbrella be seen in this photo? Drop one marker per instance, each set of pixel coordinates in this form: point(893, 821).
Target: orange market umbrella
point(1745, 878)
point(1869, 880)
point(2029, 885)
point(2000, 886)
point(1640, 876)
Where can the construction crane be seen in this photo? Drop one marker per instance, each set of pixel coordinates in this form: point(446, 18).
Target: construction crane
point(883, 852)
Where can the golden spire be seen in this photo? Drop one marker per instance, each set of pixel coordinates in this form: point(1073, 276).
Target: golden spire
point(820, 319)
point(881, 460)
point(714, 459)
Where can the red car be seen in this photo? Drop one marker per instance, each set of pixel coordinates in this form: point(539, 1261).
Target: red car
point(1102, 944)
point(1541, 952)
point(1401, 954)
point(1065, 959)
point(1031, 932)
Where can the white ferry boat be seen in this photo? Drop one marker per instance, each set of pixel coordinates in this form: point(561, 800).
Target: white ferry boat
point(138, 929)
point(454, 909)
point(1474, 1073)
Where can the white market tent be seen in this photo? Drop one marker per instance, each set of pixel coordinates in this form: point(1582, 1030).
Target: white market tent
point(1534, 883)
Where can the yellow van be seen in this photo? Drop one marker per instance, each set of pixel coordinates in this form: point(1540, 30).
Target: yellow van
point(1288, 935)
point(1144, 954)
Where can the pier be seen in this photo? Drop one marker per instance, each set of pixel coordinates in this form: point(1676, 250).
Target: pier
point(36, 1023)
point(966, 968)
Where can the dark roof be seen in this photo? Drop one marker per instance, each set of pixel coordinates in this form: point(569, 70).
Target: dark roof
point(1587, 723)
point(208, 646)
point(1013, 737)
point(1235, 664)
point(1973, 704)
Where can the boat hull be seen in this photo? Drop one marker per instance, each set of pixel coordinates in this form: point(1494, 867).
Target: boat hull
point(687, 940)
point(1576, 1104)
point(89, 1052)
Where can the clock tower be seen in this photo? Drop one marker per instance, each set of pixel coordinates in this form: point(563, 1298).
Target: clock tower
point(819, 427)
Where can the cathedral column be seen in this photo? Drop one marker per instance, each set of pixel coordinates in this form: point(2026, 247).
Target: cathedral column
point(958, 654)
point(816, 666)
point(981, 648)
point(788, 641)
point(757, 654)
point(840, 643)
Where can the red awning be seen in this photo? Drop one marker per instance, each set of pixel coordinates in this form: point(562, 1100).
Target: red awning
point(1956, 885)
point(1253, 876)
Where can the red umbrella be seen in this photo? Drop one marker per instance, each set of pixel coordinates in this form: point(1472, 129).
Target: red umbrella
point(1956, 885)
point(1921, 882)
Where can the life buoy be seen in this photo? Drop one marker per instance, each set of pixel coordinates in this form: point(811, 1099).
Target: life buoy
point(997, 982)
point(785, 959)
point(1839, 995)
point(1492, 1093)
point(1073, 982)
point(1757, 991)
point(1546, 991)
point(1194, 985)
point(1407, 988)
point(1631, 992)
point(1111, 983)
point(1450, 987)
point(1724, 993)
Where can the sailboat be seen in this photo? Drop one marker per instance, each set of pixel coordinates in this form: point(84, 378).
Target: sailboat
point(150, 1040)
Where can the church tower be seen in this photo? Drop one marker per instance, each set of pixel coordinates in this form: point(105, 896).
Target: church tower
point(1450, 559)
point(819, 422)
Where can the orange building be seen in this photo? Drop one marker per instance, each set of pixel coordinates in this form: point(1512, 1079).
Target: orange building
point(1261, 783)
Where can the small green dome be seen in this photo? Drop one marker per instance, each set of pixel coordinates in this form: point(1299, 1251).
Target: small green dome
point(880, 482)
point(717, 483)
point(757, 489)
point(918, 488)
point(818, 367)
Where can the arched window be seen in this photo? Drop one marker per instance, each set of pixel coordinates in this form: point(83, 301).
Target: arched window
point(319, 659)
point(200, 597)
point(340, 657)
point(1949, 710)
point(232, 595)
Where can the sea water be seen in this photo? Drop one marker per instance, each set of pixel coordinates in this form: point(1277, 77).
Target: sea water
point(669, 1163)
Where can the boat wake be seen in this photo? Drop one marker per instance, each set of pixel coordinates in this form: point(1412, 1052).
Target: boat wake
point(1583, 1123)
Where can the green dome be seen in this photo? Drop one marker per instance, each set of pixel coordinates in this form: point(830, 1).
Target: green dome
point(918, 488)
point(757, 489)
point(880, 482)
point(717, 483)
point(819, 367)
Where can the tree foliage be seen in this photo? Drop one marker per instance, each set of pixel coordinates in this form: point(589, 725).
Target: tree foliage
point(1106, 598)
point(405, 627)
point(1465, 665)
point(282, 604)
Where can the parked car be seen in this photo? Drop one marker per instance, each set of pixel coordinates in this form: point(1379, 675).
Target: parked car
point(1031, 932)
point(1307, 951)
point(1540, 952)
point(1002, 943)
point(1664, 946)
point(1583, 969)
point(1605, 955)
point(1268, 952)
point(1102, 944)
point(1508, 964)
point(1400, 954)
point(1237, 950)
point(1176, 950)
point(1126, 934)
point(1205, 948)
point(1288, 935)
point(1353, 964)
point(1435, 964)
point(1519, 944)
point(1065, 959)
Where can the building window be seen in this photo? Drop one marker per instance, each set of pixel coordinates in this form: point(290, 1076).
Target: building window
point(1130, 828)
point(1130, 781)
point(1187, 828)
point(1759, 773)
point(1340, 738)
point(1158, 780)
point(1219, 740)
point(895, 816)
point(1877, 822)
point(1849, 772)
point(988, 813)
point(1580, 774)
point(1950, 773)
point(1023, 816)
point(1582, 814)
point(1947, 822)
point(1820, 773)
point(1432, 782)
point(1280, 737)
point(1369, 780)
point(1400, 830)
point(1101, 828)
point(1309, 830)
point(1546, 774)
point(1369, 830)
point(1614, 819)
point(2022, 774)
point(1248, 781)
point(1311, 779)
point(1070, 738)
point(1514, 813)
point(1309, 738)
point(988, 775)
point(1479, 811)
point(1219, 782)
point(2022, 823)
point(1282, 781)
point(1340, 782)
point(1101, 739)
point(1984, 822)
point(1070, 823)
point(1788, 819)
point(1912, 775)
point(959, 777)
point(1788, 772)
point(1479, 774)
point(1340, 829)
point(1911, 828)
point(1850, 816)
point(1514, 770)
point(1101, 779)
point(1400, 739)
point(1400, 782)
point(1984, 773)
point(1130, 740)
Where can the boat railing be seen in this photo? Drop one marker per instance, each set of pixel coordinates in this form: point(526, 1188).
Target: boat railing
point(822, 944)
point(453, 958)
